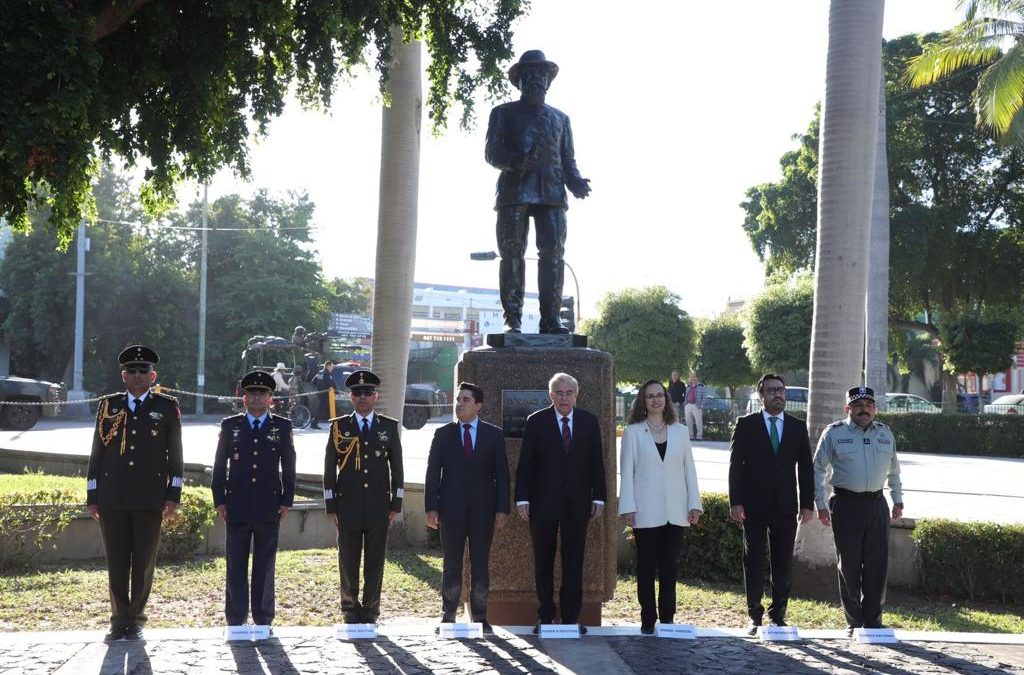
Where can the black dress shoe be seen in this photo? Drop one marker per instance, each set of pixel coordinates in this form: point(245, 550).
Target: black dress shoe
point(647, 628)
point(777, 622)
point(513, 329)
point(487, 628)
point(849, 631)
point(752, 627)
point(114, 634)
point(583, 629)
point(134, 633)
point(536, 626)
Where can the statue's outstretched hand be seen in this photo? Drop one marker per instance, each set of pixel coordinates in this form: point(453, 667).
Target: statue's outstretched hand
point(581, 188)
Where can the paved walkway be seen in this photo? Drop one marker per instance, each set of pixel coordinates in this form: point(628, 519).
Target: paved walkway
point(412, 648)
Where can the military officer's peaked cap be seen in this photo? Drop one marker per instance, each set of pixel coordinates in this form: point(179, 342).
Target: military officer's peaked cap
point(258, 380)
point(138, 354)
point(362, 378)
point(857, 393)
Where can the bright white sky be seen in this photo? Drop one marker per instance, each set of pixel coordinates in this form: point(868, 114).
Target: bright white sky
point(677, 108)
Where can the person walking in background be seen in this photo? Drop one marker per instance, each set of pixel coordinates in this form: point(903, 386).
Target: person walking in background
point(134, 482)
point(322, 383)
point(253, 487)
point(856, 457)
point(694, 401)
point(770, 455)
point(677, 393)
point(658, 497)
point(466, 494)
point(560, 487)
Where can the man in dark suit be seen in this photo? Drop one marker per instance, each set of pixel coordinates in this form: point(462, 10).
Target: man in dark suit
point(322, 382)
point(362, 493)
point(134, 481)
point(770, 456)
point(531, 143)
point(466, 494)
point(560, 487)
point(253, 487)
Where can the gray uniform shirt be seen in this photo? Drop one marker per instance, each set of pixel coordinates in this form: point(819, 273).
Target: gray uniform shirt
point(860, 460)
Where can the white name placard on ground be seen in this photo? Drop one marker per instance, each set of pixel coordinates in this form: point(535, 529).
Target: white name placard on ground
point(778, 633)
point(355, 631)
point(678, 631)
point(461, 630)
point(233, 633)
point(557, 630)
point(878, 636)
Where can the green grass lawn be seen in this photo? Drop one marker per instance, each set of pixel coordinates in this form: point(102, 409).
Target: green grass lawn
point(32, 482)
point(192, 595)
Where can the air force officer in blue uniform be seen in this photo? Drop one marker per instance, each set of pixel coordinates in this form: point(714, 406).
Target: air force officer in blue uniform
point(253, 487)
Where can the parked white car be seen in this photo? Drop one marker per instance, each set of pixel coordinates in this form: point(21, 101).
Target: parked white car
point(1011, 404)
point(909, 403)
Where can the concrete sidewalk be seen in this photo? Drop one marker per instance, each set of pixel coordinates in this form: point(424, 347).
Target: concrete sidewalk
point(412, 648)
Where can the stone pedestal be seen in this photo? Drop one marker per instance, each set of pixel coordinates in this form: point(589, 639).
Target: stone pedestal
point(513, 599)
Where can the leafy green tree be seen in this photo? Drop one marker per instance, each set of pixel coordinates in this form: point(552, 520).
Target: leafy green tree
point(646, 332)
point(979, 343)
point(955, 205)
point(184, 85)
point(778, 326)
point(349, 296)
point(988, 27)
point(721, 357)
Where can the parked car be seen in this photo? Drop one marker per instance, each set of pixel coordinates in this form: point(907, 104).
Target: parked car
point(796, 399)
point(1011, 404)
point(909, 403)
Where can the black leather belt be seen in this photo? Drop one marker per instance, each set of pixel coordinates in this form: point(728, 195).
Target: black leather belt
point(858, 495)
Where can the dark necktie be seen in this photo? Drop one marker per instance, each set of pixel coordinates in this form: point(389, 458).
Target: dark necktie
point(467, 442)
point(366, 427)
point(775, 435)
point(135, 404)
point(566, 436)
point(255, 426)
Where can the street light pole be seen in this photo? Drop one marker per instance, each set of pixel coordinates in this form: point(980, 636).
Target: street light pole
point(201, 364)
point(493, 255)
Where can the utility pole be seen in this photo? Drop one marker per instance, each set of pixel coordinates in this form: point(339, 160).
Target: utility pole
point(77, 392)
point(201, 364)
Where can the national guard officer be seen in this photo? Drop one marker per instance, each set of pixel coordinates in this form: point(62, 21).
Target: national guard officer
point(135, 478)
point(860, 455)
point(253, 487)
point(363, 494)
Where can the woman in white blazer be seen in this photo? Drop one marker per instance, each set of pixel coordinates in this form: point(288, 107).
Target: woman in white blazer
point(658, 497)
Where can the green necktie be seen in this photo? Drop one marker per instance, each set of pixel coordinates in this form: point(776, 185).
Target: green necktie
point(775, 435)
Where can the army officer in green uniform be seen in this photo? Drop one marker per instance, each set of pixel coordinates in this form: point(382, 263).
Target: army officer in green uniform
point(857, 456)
point(134, 481)
point(363, 494)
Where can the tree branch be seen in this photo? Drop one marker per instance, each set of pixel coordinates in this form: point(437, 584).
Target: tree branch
point(114, 15)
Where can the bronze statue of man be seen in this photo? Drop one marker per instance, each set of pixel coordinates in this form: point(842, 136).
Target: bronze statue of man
point(531, 143)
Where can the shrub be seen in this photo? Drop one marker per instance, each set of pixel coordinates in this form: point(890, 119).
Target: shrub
point(718, 424)
point(30, 520)
point(182, 534)
point(958, 434)
point(978, 560)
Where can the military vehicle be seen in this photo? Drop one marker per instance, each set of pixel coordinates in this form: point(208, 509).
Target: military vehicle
point(20, 398)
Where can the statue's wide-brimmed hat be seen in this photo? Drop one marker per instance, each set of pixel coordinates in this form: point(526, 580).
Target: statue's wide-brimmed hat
point(533, 58)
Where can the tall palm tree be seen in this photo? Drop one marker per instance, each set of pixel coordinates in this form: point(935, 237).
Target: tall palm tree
point(396, 222)
point(876, 333)
point(988, 26)
point(849, 128)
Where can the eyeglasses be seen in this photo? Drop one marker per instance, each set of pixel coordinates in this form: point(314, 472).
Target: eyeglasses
point(564, 394)
point(137, 371)
point(658, 395)
point(363, 393)
point(775, 390)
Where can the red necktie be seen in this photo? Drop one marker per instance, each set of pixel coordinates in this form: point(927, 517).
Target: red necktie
point(467, 442)
point(566, 436)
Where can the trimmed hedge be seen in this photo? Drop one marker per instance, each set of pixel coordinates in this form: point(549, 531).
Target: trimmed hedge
point(30, 520)
point(978, 560)
point(181, 535)
point(958, 434)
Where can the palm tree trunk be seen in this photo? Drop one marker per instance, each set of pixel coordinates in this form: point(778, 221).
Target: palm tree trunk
point(396, 224)
point(849, 127)
point(876, 343)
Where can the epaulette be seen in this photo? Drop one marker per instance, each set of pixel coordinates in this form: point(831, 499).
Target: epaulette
point(340, 417)
point(110, 396)
point(882, 424)
point(280, 418)
point(836, 424)
point(166, 397)
point(233, 417)
point(386, 417)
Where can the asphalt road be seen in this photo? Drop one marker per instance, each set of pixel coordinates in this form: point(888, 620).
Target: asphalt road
point(948, 486)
